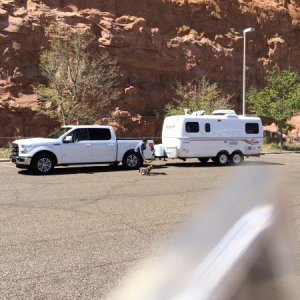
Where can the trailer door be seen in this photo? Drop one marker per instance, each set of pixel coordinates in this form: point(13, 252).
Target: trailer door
point(190, 141)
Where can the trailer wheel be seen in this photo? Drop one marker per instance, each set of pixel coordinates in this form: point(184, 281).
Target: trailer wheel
point(203, 160)
point(222, 159)
point(131, 160)
point(236, 158)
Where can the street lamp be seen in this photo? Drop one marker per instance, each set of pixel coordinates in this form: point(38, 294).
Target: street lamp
point(250, 29)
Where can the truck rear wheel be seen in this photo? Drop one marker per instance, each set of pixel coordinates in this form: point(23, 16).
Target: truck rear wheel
point(42, 164)
point(131, 160)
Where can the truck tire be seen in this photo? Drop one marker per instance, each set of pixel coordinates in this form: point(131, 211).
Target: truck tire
point(42, 164)
point(222, 159)
point(131, 160)
point(236, 158)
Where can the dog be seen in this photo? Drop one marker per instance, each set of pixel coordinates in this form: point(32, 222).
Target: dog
point(145, 170)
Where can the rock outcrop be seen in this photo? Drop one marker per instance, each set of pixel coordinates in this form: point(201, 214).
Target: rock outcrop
point(155, 42)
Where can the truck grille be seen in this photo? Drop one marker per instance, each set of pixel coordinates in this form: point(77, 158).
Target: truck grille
point(14, 152)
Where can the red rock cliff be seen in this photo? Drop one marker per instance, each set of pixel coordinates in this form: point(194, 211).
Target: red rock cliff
point(155, 42)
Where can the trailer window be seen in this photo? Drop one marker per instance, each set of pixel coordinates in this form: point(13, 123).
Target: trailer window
point(207, 127)
point(192, 127)
point(251, 128)
point(100, 134)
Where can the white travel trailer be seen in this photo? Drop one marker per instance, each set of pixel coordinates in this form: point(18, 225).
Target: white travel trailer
point(223, 137)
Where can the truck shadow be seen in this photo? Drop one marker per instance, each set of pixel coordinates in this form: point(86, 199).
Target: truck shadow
point(104, 168)
point(88, 170)
point(79, 170)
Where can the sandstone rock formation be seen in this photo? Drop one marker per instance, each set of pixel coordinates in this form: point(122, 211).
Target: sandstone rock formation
point(154, 42)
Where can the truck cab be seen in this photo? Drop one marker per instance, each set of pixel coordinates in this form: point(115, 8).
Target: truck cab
point(82, 144)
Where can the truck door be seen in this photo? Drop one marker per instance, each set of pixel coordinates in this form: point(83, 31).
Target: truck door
point(104, 145)
point(76, 147)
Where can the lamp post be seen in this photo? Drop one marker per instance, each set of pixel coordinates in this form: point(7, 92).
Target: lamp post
point(250, 29)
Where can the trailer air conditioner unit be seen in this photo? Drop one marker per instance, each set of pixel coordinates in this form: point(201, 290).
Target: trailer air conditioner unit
point(221, 112)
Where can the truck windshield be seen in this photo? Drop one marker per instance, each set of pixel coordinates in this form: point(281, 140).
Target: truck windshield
point(58, 132)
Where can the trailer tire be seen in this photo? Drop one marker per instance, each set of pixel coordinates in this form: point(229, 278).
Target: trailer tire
point(222, 159)
point(203, 160)
point(42, 164)
point(131, 160)
point(236, 158)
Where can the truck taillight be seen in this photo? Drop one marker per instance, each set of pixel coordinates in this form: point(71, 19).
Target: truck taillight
point(151, 146)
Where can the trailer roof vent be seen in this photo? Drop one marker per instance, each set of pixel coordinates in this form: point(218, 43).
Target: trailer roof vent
point(221, 112)
point(198, 113)
point(186, 111)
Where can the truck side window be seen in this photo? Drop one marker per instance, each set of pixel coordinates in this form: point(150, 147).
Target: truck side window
point(251, 128)
point(192, 127)
point(207, 127)
point(100, 134)
point(80, 134)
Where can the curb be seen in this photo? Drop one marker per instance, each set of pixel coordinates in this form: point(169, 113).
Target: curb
point(4, 159)
point(279, 152)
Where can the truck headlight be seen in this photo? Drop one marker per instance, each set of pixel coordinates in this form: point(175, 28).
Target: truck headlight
point(25, 148)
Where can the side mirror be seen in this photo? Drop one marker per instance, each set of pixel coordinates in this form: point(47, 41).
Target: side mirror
point(68, 139)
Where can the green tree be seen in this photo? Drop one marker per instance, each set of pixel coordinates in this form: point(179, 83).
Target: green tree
point(81, 83)
point(279, 99)
point(198, 94)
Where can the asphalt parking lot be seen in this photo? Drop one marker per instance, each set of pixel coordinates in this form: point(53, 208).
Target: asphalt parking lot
point(75, 234)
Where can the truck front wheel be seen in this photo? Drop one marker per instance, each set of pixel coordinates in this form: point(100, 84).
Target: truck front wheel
point(131, 160)
point(42, 164)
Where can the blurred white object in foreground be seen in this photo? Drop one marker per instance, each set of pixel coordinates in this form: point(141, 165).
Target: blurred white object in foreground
point(235, 249)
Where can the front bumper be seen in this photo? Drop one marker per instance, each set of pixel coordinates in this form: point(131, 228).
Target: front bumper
point(22, 161)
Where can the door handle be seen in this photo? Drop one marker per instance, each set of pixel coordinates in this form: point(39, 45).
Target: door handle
point(87, 145)
point(111, 145)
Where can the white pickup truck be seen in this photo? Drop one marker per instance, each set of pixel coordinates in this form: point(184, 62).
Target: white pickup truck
point(81, 144)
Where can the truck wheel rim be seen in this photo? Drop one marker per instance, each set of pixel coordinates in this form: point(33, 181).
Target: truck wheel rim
point(44, 165)
point(236, 159)
point(132, 161)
